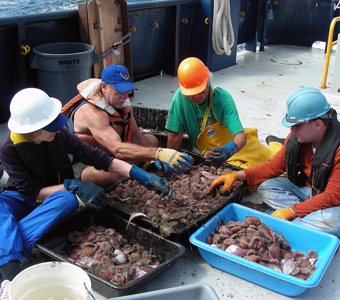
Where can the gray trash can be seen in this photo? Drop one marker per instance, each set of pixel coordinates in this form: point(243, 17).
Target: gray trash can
point(61, 66)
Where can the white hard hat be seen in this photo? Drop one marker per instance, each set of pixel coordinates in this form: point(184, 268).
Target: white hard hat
point(32, 109)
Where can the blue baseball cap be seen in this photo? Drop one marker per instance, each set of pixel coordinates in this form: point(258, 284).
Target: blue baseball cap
point(119, 77)
point(57, 124)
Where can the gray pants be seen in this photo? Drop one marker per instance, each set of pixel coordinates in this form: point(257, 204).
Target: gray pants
point(279, 193)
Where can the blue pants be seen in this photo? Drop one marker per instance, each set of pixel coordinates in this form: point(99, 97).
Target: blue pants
point(22, 223)
point(279, 193)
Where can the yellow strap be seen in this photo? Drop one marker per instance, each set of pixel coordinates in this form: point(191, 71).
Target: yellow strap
point(207, 110)
point(17, 138)
point(205, 118)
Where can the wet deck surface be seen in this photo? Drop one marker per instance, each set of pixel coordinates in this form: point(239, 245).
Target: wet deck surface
point(260, 83)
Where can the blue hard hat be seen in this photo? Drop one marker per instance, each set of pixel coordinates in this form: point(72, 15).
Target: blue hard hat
point(305, 104)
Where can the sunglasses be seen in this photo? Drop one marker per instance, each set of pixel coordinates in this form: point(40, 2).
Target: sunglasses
point(111, 86)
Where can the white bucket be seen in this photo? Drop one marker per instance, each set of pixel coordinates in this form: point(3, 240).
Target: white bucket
point(51, 281)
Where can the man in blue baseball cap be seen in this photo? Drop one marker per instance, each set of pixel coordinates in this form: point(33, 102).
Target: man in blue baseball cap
point(102, 116)
point(119, 77)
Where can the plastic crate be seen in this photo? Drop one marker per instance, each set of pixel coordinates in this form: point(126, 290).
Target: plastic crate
point(53, 244)
point(198, 291)
point(182, 235)
point(299, 237)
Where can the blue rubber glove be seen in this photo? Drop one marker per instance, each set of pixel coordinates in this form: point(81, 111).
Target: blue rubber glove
point(183, 164)
point(90, 194)
point(223, 153)
point(163, 166)
point(150, 181)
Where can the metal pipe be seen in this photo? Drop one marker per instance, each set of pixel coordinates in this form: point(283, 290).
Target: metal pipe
point(330, 44)
point(264, 25)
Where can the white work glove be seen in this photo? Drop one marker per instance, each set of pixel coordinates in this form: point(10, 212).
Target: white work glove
point(179, 162)
point(4, 290)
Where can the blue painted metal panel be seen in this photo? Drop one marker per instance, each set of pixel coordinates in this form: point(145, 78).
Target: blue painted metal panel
point(149, 45)
point(298, 22)
point(247, 30)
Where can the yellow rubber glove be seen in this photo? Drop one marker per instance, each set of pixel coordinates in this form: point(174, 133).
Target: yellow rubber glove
point(285, 214)
point(180, 162)
point(227, 180)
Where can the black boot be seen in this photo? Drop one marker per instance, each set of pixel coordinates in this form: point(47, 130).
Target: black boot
point(273, 138)
point(10, 270)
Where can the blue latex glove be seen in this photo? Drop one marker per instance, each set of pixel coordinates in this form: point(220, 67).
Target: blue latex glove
point(183, 164)
point(163, 166)
point(90, 194)
point(150, 181)
point(223, 153)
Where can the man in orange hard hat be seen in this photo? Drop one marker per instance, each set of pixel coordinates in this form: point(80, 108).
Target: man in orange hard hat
point(209, 116)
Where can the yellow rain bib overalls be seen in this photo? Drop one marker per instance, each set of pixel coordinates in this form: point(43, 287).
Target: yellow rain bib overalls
point(252, 154)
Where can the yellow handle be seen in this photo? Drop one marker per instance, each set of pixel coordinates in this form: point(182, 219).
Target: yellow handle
point(25, 49)
point(330, 43)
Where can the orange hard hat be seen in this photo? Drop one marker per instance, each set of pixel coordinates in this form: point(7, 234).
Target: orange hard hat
point(193, 76)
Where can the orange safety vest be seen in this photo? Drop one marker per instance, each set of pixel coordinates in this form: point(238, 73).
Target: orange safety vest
point(120, 122)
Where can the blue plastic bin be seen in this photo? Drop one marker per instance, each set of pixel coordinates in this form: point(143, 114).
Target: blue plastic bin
point(299, 237)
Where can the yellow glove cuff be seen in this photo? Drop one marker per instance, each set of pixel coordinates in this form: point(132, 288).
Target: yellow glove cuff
point(285, 214)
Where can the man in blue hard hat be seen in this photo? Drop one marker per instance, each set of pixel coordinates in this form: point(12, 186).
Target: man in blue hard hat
point(102, 116)
point(309, 194)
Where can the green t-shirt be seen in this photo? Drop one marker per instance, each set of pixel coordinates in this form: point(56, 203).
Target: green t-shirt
point(187, 116)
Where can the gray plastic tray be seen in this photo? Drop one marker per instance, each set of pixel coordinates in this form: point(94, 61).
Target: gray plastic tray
point(197, 291)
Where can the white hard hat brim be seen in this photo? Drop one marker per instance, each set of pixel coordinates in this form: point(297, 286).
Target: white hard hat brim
point(17, 127)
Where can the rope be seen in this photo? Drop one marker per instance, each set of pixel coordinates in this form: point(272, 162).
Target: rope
point(223, 34)
point(337, 6)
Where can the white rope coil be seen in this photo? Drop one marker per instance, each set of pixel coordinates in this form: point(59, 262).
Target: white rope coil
point(222, 33)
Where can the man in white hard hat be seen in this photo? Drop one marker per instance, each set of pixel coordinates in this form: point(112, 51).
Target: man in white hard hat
point(102, 116)
point(309, 194)
point(35, 154)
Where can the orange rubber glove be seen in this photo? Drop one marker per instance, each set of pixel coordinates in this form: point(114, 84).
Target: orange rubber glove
point(285, 214)
point(227, 180)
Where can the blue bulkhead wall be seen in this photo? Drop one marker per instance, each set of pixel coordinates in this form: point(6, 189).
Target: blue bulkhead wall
point(164, 32)
point(184, 28)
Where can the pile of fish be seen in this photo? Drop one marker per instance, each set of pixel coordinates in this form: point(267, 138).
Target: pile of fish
point(257, 242)
point(190, 200)
point(108, 254)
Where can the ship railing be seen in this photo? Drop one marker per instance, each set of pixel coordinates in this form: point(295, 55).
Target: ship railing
point(330, 44)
